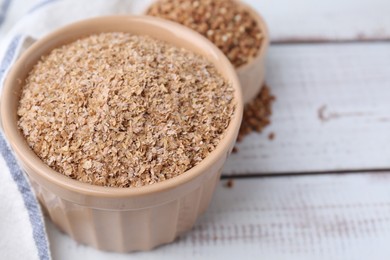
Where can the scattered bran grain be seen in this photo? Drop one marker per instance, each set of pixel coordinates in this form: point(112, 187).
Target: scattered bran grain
point(229, 184)
point(120, 110)
point(224, 22)
point(257, 113)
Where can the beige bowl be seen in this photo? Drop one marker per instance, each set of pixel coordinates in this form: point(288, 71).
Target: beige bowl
point(120, 219)
point(252, 74)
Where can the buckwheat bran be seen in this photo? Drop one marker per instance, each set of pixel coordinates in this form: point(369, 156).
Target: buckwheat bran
point(224, 22)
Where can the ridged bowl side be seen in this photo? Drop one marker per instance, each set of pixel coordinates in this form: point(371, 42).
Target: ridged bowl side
point(128, 230)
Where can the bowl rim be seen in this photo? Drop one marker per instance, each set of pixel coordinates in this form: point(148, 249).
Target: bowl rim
point(265, 41)
point(30, 159)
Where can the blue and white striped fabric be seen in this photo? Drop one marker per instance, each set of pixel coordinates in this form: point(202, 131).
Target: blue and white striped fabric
point(22, 228)
point(4, 10)
point(17, 196)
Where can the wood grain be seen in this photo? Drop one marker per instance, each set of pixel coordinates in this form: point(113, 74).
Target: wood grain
point(290, 22)
point(306, 217)
point(332, 111)
point(321, 21)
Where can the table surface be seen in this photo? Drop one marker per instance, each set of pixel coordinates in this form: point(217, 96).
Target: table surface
point(321, 188)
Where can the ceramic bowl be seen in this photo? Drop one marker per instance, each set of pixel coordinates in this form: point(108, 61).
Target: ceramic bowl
point(252, 74)
point(120, 219)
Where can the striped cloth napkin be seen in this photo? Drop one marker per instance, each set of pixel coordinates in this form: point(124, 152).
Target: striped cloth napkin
point(22, 227)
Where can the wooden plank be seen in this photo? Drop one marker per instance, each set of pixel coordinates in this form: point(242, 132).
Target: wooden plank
point(306, 20)
point(332, 111)
point(301, 20)
point(300, 217)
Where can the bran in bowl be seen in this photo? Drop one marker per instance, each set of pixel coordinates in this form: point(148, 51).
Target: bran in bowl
point(232, 28)
point(123, 110)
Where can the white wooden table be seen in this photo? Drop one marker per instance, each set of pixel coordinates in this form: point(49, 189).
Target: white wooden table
point(321, 188)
